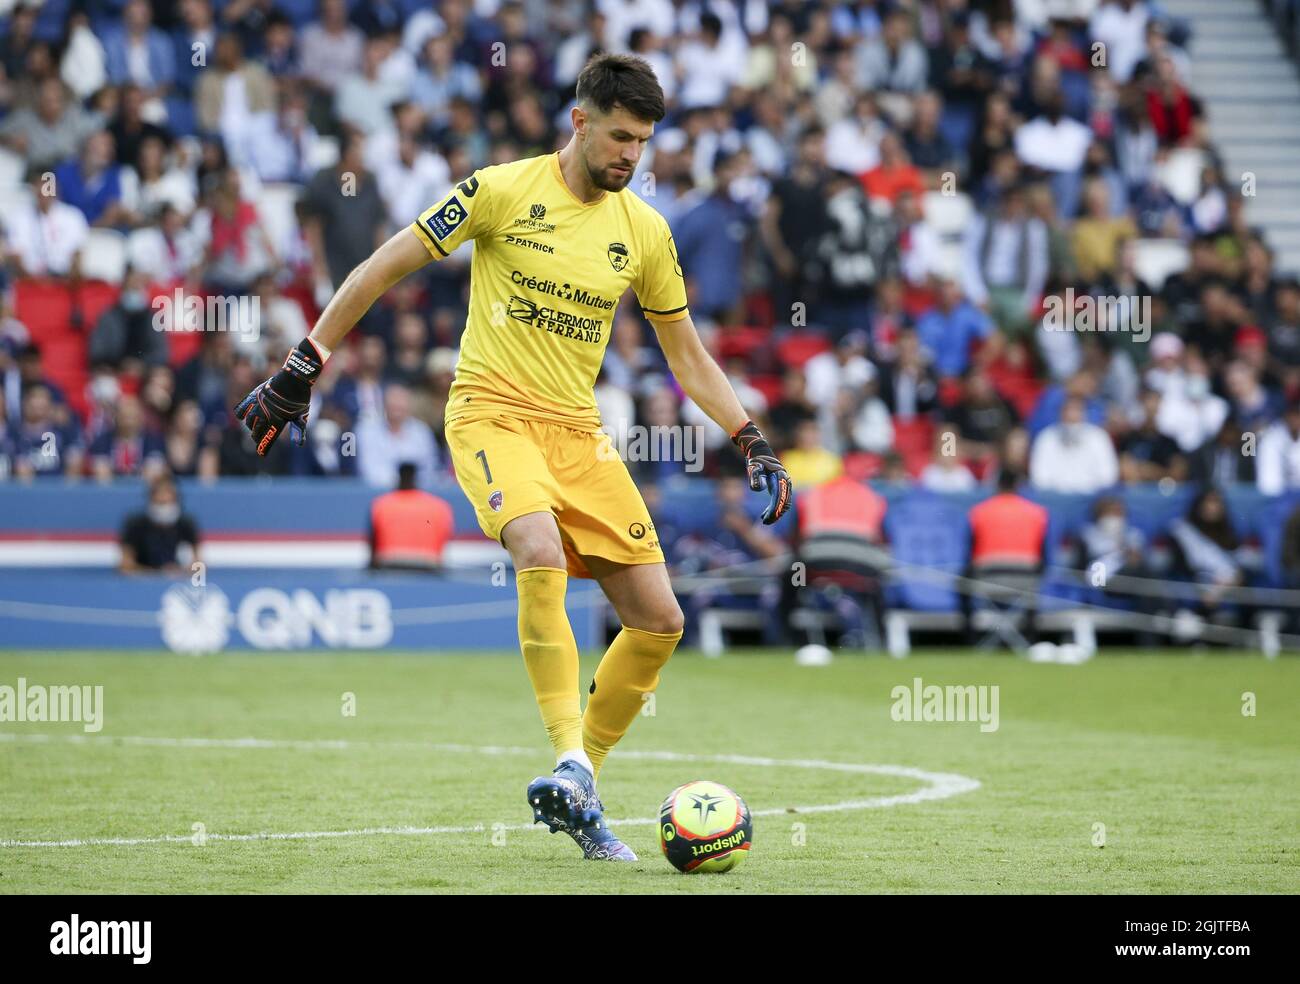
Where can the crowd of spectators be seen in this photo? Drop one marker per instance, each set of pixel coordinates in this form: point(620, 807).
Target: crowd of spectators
point(810, 165)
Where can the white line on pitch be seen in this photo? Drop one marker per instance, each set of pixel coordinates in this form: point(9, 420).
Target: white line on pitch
point(940, 785)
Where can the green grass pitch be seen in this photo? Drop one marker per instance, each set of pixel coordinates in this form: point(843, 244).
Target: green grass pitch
point(1194, 795)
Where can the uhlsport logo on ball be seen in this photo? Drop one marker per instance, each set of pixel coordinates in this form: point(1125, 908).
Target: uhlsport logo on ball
point(704, 826)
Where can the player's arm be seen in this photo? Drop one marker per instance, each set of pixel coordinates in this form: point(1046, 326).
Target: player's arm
point(284, 399)
point(704, 382)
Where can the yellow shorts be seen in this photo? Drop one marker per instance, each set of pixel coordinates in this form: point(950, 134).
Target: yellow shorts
point(509, 467)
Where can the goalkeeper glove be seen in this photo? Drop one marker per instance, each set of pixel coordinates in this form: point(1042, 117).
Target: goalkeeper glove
point(284, 399)
point(765, 471)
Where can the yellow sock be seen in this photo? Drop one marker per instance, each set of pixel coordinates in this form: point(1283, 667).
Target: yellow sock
point(629, 670)
point(550, 653)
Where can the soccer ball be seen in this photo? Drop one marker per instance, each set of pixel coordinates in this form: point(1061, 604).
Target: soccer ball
point(704, 826)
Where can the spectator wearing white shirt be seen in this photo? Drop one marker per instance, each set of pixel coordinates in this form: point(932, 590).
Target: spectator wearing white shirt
point(411, 179)
point(166, 252)
point(44, 238)
point(946, 471)
point(1073, 455)
point(645, 45)
point(1053, 141)
point(623, 16)
point(1121, 26)
point(708, 66)
point(844, 366)
point(1277, 469)
point(853, 142)
point(382, 445)
point(1191, 414)
point(331, 49)
point(919, 254)
point(363, 99)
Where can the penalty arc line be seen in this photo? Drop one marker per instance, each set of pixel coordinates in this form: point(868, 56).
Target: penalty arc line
point(940, 785)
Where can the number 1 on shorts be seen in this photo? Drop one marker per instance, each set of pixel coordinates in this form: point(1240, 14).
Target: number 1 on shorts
point(481, 455)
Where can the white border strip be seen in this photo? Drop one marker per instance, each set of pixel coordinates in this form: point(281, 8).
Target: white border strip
point(939, 785)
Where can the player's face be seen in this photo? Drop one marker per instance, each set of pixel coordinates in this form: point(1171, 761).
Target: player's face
point(612, 145)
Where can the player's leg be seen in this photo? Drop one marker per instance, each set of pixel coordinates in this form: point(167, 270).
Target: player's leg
point(502, 469)
point(566, 799)
point(642, 595)
point(545, 635)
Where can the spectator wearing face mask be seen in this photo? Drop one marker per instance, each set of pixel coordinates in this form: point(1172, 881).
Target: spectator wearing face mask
point(1073, 455)
point(151, 540)
point(1191, 414)
point(1111, 545)
point(126, 331)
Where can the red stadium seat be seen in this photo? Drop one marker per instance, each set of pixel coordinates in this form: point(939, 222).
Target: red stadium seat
point(769, 386)
point(64, 361)
point(798, 347)
point(914, 440)
point(47, 307)
point(94, 297)
point(44, 306)
point(861, 465)
point(741, 342)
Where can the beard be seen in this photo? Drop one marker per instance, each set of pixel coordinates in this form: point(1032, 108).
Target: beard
point(605, 178)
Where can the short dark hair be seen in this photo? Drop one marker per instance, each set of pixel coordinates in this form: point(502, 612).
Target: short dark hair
point(623, 80)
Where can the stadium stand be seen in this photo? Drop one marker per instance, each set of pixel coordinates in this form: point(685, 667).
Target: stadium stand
point(903, 152)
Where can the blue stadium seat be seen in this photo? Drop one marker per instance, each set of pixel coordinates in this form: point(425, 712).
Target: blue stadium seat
point(928, 532)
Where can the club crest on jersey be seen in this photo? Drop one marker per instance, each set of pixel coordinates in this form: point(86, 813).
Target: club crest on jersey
point(495, 500)
point(444, 221)
point(617, 256)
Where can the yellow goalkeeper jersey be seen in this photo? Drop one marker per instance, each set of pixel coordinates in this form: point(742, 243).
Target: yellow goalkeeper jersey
point(545, 281)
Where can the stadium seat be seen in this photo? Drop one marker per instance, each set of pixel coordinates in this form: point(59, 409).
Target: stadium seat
point(103, 257)
point(929, 544)
point(44, 306)
point(798, 347)
point(769, 386)
point(914, 440)
point(740, 343)
point(1155, 260)
point(861, 465)
point(90, 301)
point(64, 361)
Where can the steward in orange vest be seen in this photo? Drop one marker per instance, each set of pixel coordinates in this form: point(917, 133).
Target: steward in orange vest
point(1007, 530)
point(839, 543)
point(408, 527)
